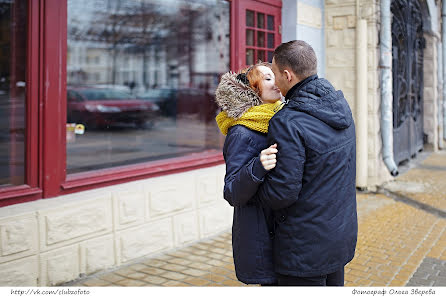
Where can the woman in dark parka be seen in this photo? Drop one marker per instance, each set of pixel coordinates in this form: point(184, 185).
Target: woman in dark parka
point(248, 101)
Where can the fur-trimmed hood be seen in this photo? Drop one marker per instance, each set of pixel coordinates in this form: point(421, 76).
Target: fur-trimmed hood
point(234, 97)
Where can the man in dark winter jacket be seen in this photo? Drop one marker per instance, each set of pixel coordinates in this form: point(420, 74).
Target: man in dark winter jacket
point(312, 188)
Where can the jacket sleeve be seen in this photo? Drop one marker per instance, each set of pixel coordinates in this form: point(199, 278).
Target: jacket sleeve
point(244, 172)
point(283, 183)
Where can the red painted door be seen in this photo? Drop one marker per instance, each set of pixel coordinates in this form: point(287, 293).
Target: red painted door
point(256, 30)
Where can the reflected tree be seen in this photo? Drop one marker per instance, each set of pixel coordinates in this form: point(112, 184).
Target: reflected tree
point(143, 27)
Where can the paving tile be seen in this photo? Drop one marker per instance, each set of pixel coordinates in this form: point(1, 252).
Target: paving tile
point(216, 262)
point(221, 245)
point(197, 281)
point(95, 282)
point(111, 277)
point(130, 283)
point(220, 270)
point(229, 266)
point(217, 277)
point(152, 270)
point(180, 261)
point(232, 283)
point(155, 280)
point(198, 258)
point(173, 275)
point(200, 252)
point(154, 262)
point(124, 271)
point(136, 275)
point(201, 266)
point(228, 260)
point(173, 267)
point(173, 283)
point(195, 272)
point(217, 256)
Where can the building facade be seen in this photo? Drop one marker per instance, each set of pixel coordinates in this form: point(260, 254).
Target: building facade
point(110, 151)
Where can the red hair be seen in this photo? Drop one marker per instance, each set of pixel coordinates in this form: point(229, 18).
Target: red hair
point(255, 76)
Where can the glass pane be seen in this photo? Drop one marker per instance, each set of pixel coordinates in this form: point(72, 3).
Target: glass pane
point(250, 37)
point(260, 20)
point(261, 55)
point(249, 56)
point(141, 78)
point(270, 22)
point(260, 39)
point(270, 40)
point(13, 24)
point(270, 57)
point(250, 18)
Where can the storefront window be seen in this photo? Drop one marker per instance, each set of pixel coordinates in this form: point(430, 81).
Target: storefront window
point(12, 91)
point(141, 77)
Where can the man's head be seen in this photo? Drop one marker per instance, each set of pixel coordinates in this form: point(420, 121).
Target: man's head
point(293, 61)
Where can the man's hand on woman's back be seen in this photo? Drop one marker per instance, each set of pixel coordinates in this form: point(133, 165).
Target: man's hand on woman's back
point(268, 157)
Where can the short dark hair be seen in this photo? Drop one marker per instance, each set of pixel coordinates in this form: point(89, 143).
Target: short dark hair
point(299, 56)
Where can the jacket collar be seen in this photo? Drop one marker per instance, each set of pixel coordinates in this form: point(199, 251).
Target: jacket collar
point(299, 86)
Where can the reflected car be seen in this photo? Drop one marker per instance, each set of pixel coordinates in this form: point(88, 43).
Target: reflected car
point(101, 107)
point(165, 98)
point(173, 102)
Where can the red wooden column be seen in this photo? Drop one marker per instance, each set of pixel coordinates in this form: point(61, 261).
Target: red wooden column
point(53, 86)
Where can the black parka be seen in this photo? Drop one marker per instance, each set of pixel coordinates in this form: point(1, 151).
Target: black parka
point(312, 187)
point(251, 238)
point(252, 221)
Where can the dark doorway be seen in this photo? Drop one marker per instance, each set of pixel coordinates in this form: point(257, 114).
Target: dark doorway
point(408, 44)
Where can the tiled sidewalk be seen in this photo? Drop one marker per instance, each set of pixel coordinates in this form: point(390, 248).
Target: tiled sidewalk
point(207, 263)
point(393, 240)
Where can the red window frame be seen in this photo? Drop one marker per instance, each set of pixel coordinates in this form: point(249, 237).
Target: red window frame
point(238, 28)
point(32, 189)
point(46, 110)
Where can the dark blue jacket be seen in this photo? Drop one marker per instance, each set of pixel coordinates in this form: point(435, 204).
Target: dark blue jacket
point(312, 187)
point(251, 241)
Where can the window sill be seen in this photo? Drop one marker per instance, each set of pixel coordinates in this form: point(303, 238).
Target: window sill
point(105, 177)
point(19, 194)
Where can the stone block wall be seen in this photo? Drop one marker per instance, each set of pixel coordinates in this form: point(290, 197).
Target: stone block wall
point(51, 241)
point(340, 32)
point(430, 91)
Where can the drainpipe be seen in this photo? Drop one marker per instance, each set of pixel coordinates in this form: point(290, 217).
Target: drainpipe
point(440, 101)
point(361, 101)
point(386, 87)
point(443, 33)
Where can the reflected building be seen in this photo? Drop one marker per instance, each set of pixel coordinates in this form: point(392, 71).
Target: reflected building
point(146, 45)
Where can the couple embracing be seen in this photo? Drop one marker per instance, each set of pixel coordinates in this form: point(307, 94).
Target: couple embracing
point(290, 171)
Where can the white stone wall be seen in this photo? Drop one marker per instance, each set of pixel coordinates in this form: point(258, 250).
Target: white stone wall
point(50, 241)
point(340, 23)
point(430, 91)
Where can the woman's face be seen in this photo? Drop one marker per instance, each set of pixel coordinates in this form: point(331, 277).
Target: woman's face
point(270, 92)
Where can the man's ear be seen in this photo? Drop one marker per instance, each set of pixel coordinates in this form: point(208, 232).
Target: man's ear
point(289, 77)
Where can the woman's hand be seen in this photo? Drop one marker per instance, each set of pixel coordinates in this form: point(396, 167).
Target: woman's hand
point(268, 157)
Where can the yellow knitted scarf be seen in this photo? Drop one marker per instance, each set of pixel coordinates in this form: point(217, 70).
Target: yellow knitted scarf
point(256, 118)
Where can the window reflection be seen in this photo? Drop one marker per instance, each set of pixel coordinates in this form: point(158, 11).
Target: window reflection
point(12, 91)
point(141, 76)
